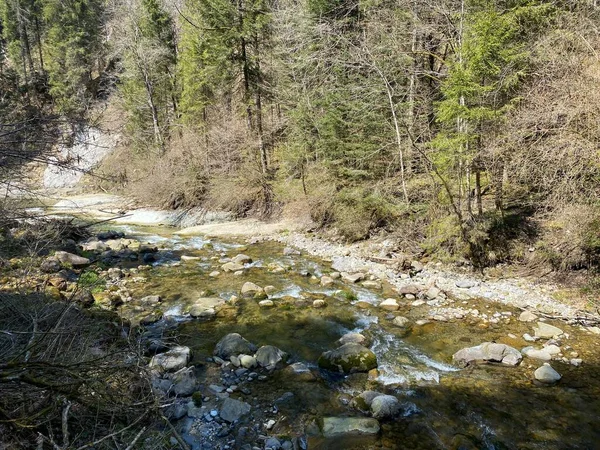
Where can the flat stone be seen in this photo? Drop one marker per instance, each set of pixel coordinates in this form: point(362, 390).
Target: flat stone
point(266, 304)
point(326, 281)
point(465, 284)
point(175, 359)
point(547, 331)
point(242, 259)
point(353, 277)
point(232, 267)
point(299, 371)
point(488, 351)
point(340, 426)
point(70, 258)
point(389, 304)
point(527, 316)
point(531, 352)
point(232, 410)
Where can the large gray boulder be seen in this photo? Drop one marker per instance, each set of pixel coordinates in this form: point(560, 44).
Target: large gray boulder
point(233, 410)
point(488, 352)
point(340, 426)
point(232, 345)
point(184, 382)
point(349, 358)
point(385, 407)
point(175, 359)
point(269, 356)
point(70, 258)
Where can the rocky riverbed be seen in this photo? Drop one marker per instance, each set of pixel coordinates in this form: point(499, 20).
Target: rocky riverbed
point(253, 343)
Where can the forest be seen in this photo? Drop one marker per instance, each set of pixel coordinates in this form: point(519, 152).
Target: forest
point(469, 127)
point(443, 157)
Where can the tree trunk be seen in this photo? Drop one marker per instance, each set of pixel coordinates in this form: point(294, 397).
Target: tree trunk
point(478, 191)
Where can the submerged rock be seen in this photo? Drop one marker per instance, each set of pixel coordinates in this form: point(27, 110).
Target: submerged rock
point(385, 407)
point(349, 358)
point(270, 356)
point(339, 426)
point(233, 344)
point(488, 351)
point(401, 322)
point(175, 359)
point(300, 372)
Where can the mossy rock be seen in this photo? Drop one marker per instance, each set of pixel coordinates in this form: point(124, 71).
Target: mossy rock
point(349, 358)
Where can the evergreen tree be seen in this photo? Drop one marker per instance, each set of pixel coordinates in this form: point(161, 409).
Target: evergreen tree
point(74, 45)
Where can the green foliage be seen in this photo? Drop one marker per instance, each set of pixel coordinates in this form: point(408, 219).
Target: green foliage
point(73, 42)
point(92, 281)
point(359, 211)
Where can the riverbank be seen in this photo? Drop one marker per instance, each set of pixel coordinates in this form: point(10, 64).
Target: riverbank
point(374, 257)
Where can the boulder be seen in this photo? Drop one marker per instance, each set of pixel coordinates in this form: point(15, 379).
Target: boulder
point(527, 316)
point(206, 307)
point(353, 277)
point(233, 410)
point(488, 352)
point(248, 361)
point(300, 372)
point(70, 258)
point(353, 338)
point(385, 407)
point(401, 322)
point(546, 374)
point(50, 265)
point(242, 259)
point(409, 289)
point(184, 382)
point(151, 300)
point(232, 267)
point(319, 303)
point(233, 344)
point(269, 356)
point(389, 304)
point(326, 281)
point(349, 358)
point(250, 289)
point(534, 353)
point(339, 426)
point(546, 331)
point(175, 359)
point(83, 297)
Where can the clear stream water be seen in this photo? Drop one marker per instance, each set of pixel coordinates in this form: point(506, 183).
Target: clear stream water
point(485, 407)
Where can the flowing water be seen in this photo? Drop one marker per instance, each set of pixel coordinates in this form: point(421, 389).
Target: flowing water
point(483, 407)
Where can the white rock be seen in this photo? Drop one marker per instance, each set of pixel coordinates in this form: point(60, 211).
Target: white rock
point(546, 374)
point(389, 304)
